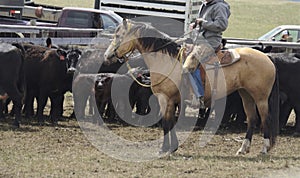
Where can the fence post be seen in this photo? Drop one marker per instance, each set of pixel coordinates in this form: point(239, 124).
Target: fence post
point(97, 4)
point(33, 23)
point(289, 50)
point(45, 34)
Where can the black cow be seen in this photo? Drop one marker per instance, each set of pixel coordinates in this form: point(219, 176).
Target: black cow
point(46, 76)
point(12, 75)
point(92, 62)
point(83, 88)
point(288, 65)
point(141, 96)
point(99, 88)
point(125, 94)
point(115, 94)
point(234, 111)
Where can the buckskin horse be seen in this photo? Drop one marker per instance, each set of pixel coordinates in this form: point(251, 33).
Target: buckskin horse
point(253, 76)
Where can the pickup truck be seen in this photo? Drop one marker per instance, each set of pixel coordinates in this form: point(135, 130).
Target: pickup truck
point(71, 17)
point(87, 18)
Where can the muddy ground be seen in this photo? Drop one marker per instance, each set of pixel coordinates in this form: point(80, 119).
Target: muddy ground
point(65, 151)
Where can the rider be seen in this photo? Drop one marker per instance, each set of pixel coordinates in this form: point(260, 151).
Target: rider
point(213, 21)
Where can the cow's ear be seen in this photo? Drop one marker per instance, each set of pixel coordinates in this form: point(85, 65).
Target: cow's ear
point(78, 51)
point(61, 54)
point(107, 79)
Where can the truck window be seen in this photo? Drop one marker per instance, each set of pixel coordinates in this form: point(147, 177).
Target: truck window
point(292, 33)
point(108, 22)
point(78, 19)
point(97, 20)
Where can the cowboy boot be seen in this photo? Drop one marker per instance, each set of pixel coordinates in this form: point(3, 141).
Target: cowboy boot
point(196, 102)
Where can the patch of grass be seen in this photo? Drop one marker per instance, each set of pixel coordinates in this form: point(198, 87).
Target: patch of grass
point(251, 19)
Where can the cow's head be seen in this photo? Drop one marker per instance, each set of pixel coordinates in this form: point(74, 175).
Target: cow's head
point(103, 81)
point(73, 57)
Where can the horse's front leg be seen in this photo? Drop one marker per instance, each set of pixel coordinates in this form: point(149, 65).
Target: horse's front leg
point(166, 143)
point(167, 109)
point(172, 122)
point(168, 124)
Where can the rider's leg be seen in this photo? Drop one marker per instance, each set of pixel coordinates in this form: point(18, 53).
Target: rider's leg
point(197, 88)
point(197, 78)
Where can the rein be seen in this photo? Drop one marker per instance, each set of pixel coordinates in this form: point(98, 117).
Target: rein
point(155, 50)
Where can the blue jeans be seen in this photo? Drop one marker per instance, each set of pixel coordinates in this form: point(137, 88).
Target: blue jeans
point(196, 83)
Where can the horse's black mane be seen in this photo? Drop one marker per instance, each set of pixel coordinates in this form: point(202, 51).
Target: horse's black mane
point(154, 39)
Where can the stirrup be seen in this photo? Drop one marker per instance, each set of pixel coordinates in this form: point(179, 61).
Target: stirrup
point(201, 102)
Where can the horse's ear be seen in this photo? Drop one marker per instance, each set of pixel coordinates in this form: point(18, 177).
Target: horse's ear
point(125, 23)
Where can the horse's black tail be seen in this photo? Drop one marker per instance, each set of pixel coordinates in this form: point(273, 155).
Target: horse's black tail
point(273, 118)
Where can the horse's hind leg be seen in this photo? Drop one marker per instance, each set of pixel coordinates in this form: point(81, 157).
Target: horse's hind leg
point(263, 110)
point(250, 110)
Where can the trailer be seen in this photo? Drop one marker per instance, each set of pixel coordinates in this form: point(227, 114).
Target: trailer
point(12, 8)
point(27, 10)
point(42, 12)
point(170, 16)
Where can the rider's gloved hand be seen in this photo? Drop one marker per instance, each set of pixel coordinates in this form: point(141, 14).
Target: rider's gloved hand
point(199, 21)
point(192, 26)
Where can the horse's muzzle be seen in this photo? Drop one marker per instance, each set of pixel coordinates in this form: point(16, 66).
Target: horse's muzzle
point(109, 56)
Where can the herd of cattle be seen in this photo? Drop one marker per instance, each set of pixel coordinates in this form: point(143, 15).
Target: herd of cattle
point(29, 72)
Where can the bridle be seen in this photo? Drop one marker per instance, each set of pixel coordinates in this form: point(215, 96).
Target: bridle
point(117, 45)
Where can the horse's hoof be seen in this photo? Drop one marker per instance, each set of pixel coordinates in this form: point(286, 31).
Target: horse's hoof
point(266, 147)
point(264, 151)
point(245, 148)
point(240, 152)
point(172, 150)
point(162, 153)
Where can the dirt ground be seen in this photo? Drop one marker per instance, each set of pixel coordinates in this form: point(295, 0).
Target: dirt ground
point(65, 151)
